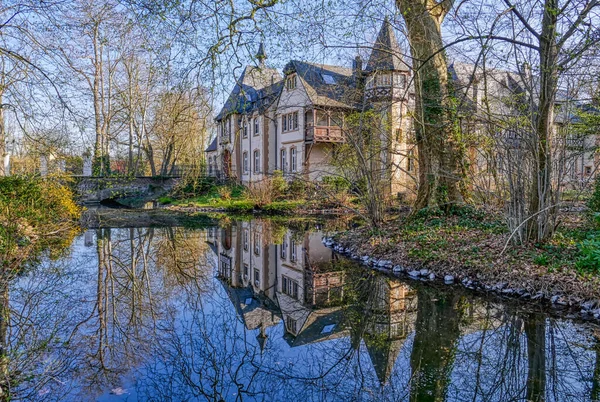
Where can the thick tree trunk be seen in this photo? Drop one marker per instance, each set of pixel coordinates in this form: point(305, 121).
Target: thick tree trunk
point(535, 331)
point(541, 226)
point(434, 346)
point(438, 143)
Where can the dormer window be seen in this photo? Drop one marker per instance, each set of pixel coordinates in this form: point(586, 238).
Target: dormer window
point(290, 83)
point(329, 80)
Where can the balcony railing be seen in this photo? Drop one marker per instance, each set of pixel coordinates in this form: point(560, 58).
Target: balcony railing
point(324, 134)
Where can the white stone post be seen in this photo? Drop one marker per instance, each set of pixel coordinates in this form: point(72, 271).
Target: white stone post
point(87, 165)
point(43, 165)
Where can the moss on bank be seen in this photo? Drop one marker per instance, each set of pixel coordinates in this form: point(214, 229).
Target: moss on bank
point(35, 215)
point(471, 243)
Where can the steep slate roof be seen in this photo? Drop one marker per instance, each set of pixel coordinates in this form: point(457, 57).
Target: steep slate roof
point(386, 54)
point(213, 145)
point(341, 93)
point(255, 87)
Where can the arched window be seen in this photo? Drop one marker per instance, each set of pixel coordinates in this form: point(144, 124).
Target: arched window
point(257, 161)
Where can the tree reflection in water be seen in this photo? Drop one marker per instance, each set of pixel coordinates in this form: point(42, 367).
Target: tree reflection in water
point(260, 311)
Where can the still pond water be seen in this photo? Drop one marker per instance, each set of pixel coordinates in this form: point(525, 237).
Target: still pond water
point(262, 311)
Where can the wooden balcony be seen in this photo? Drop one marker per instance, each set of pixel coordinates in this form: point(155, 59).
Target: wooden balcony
point(317, 134)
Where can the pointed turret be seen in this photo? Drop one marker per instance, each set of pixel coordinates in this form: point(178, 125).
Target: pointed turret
point(386, 55)
point(261, 56)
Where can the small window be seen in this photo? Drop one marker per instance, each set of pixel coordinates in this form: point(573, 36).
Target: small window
point(400, 81)
point(293, 160)
point(588, 170)
point(289, 287)
point(291, 324)
point(245, 162)
point(411, 161)
point(283, 250)
point(257, 277)
point(329, 80)
point(289, 122)
point(245, 128)
point(256, 126)
point(246, 240)
point(246, 271)
point(256, 161)
point(291, 82)
point(283, 160)
point(292, 250)
point(327, 329)
point(256, 244)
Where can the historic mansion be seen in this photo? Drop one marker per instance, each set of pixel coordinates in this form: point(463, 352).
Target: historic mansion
point(292, 123)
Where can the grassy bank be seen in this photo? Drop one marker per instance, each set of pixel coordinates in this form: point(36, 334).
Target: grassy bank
point(35, 215)
point(274, 196)
point(471, 243)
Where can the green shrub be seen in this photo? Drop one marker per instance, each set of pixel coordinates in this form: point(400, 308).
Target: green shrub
point(594, 201)
point(34, 214)
point(165, 200)
point(194, 186)
point(278, 185)
point(337, 183)
point(589, 256)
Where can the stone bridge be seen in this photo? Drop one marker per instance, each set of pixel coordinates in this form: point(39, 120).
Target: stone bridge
point(98, 189)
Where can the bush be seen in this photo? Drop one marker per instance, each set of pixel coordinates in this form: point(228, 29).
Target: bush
point(194, 186)
point(594, 201)
point(34, 214)
point(225, 193)
point(589, 259)
point(268, 190)
point(336, 183)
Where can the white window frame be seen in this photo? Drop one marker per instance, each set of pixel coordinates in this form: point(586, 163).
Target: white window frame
point(283, 159)
point(245, 162)
point(290, 82)
point(283, 251)
point(256, 157)
point(290, 287)
point(256, 243)
point(293, 256)
point(293, 159)
point(256, 126)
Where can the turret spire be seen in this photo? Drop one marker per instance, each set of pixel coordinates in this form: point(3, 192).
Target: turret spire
point(261, 55)
point(386, 55)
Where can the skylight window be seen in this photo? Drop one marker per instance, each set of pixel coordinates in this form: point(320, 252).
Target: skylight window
point(329, 80)
point(248, 301)
point(328, 328)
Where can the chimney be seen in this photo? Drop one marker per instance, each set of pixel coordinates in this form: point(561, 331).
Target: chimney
point(357, 67)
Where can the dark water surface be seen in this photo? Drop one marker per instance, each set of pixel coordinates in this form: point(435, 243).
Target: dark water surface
point(258, 311)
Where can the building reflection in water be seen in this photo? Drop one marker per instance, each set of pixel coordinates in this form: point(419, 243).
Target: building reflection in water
point(230, 311)
point(297, 280)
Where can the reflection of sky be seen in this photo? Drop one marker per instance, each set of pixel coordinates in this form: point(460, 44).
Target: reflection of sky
point(191, 343)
